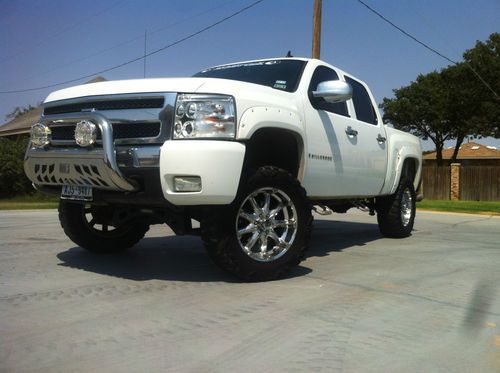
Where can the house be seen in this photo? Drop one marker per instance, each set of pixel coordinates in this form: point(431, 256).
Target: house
point(21, 125)
point(470, 154)
point(475, 176)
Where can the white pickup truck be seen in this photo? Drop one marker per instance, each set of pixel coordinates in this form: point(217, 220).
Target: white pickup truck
point(246, 149)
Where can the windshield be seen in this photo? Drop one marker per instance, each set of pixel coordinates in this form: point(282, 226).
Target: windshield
point(279, 74)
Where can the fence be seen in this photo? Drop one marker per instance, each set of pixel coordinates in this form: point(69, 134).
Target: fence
point(480, 183)
point(470, 183)
point(436, 182)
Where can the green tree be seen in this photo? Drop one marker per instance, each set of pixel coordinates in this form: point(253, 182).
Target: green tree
point(458, 102)
point(420, 108)
point(484, 59)
point(13, 181)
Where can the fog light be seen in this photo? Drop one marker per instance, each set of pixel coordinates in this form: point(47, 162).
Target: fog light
point(187, 184)
point(40, 135)
point(85, 133)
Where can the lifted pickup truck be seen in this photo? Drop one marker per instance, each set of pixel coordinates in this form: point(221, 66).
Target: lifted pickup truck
point(245, 149)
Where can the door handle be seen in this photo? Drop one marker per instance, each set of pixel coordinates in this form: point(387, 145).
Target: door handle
point(351, 132)
point(381, 139)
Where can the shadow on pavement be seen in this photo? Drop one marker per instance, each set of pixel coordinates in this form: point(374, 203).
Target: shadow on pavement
point(183, 258)
point(335, 236)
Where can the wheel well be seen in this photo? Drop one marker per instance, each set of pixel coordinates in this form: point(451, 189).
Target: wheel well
point(409, 169)
point(274, 147)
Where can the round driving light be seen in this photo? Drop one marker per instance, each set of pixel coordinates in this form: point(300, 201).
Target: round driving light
point(85, 133)
point(40, 135)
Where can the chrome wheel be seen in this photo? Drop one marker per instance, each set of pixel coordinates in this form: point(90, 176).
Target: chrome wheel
point(406, 207)
point(266, 224)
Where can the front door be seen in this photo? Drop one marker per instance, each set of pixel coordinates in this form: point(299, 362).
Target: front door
point(347, 152)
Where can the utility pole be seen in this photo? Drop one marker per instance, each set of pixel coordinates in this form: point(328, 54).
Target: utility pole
point(145, 41)
point(316, 47)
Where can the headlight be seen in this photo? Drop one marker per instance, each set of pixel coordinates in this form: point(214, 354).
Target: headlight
point(204, 116)
point(40, 135)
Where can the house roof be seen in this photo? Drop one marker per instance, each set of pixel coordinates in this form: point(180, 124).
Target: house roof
point(22, 123)
point(471, 150)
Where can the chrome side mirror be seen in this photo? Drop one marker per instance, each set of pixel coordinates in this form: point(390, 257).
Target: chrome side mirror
point(333, 91)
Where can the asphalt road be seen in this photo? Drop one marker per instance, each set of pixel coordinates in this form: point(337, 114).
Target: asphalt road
point(359, 303)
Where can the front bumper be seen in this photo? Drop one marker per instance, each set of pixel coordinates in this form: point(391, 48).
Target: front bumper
point(94, 167)
point(119, 172)
point(218, 164)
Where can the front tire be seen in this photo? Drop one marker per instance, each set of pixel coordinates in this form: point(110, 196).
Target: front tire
point(101, 229)
point(396, 213)
point(265, 231)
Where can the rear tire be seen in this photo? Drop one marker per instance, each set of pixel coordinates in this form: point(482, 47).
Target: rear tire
point(101, 229)
point(396, 213)
point(265, 231)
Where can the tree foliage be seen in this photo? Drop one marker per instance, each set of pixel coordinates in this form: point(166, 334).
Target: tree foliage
point(453, 103)
point(484, 58)
point(13, 181)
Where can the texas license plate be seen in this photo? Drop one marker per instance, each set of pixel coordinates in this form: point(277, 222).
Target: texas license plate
point(76, 192)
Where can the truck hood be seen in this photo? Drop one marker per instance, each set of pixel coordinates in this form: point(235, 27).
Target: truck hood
point(117, 87)
point(247, 95)
point(162, 85)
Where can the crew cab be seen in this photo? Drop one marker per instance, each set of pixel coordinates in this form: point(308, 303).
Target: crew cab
point(246, 149)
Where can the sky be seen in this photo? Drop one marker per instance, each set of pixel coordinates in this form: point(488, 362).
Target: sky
point(43, 42)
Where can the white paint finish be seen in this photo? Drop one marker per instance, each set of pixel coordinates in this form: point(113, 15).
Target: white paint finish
point(218, 163)
point(358, 164)
point(128, 86)
point(257, 118)
point(358, 167)
point(402, 146)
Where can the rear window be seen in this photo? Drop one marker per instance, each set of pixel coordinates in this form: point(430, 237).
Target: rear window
point(283, 75)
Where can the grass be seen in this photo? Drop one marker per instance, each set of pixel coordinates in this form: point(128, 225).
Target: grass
point(30, 202)
point(473, 207)
point(41, 201)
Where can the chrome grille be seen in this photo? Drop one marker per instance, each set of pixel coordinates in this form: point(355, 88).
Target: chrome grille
point(120, 131)
point(106, 104)
point(142, 118)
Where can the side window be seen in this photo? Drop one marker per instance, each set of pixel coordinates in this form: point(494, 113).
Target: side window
point(323, 74)
point(362, 103)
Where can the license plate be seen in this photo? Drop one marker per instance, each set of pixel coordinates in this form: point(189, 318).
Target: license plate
point(76, 192)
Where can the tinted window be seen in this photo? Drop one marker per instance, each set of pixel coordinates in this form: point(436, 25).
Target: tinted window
point(323, 74)
point(362, 103)
point(279, 74)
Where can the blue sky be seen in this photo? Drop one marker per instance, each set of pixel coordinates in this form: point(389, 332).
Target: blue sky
point(48, 41)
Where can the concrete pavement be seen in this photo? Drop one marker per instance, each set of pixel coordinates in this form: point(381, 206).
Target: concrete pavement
point(359, 303)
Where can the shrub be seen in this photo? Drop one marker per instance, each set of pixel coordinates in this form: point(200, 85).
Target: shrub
point(13, 181)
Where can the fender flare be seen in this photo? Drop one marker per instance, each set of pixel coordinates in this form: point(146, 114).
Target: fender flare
point(403, 154)
point(256, 118)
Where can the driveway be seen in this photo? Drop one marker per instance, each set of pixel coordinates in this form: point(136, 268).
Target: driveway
point(359, 303)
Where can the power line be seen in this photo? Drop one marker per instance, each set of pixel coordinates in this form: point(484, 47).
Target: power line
point(121, 44)
point(428, 47)
point(190, 36)
point(407, 34)
point(65, 30)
